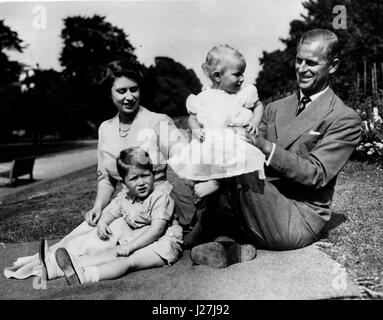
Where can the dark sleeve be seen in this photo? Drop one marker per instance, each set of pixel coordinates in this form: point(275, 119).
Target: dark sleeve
point(265, 121)
point(327, 158)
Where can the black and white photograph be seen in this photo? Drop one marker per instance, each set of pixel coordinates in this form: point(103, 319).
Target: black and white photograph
point(191, 153)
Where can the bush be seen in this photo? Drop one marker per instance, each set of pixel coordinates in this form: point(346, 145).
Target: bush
point(370, 147)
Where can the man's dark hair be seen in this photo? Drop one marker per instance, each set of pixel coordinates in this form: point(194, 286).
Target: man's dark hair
point(326, 36)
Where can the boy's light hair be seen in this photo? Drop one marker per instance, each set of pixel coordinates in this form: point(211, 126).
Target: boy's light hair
point(215, 59)
point(133, 157)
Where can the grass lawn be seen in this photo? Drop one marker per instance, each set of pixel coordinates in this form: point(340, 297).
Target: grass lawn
point(354, 236)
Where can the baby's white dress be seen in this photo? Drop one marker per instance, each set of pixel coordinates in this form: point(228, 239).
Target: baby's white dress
point(223, 153)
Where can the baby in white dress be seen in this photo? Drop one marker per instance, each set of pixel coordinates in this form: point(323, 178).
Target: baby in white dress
point(217, 151)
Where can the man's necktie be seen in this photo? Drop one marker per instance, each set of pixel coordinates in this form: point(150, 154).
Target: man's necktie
point(302, 104)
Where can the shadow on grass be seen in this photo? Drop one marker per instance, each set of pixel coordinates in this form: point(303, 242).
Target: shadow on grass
point(336, 220)
point(5, 183)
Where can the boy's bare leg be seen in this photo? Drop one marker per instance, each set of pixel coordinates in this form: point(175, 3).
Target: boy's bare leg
point(110, 266)
point(97, 259)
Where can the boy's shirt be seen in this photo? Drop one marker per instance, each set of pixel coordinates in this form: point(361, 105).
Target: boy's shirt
point(137, 213)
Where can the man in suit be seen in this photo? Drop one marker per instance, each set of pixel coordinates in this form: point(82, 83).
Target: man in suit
point(307, 139)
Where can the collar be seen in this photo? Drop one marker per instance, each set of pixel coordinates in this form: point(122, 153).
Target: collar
point(116, 119)
point(131, 196)
point(314, 96)
point(136, 199)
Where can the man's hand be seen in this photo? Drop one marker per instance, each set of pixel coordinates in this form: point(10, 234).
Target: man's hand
point(103, 231)
point(242, 133)
point(256, 140)
point(92, 216)
point(261, 143)
point(123, 251)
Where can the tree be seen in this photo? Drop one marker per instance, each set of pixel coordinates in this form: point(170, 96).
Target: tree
point(51, 108)
point(172, 83)
point(89, 44)
point(9, 40)
point(43, 108)
point(9, 72)
point(361, 43)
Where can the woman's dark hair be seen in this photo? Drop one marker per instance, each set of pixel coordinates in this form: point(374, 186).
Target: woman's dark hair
point(133, 156)
point(117, 69)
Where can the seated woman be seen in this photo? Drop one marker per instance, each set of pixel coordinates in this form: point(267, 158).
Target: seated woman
point(134, 125)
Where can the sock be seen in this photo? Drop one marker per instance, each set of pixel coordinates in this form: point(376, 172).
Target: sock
point(91, 274)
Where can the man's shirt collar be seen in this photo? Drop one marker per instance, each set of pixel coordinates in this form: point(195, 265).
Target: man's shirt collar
point(314, 96)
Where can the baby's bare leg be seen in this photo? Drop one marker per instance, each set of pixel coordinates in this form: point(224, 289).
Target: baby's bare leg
point(202, 189)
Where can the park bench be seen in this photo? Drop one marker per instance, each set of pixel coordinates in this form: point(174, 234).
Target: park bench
point(19, 167)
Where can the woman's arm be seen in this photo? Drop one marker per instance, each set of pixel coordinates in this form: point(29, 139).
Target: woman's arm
point(156, 231)
point(105, 187)
point(104, 195)
point(195, 127)
point(171, 143)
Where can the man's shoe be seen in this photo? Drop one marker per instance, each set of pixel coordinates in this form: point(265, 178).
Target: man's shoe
point(225, 240)
point(73, 274)
point(194, 237)
point(217, 255)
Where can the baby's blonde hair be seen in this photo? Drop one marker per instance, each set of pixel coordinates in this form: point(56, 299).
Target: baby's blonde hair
point(215, 59)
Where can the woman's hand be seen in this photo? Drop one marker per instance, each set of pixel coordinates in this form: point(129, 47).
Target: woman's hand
point(103, 231)
point(92, 216)
point(123, 251)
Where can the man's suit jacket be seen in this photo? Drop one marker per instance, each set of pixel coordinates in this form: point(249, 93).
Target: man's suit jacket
point(311, 149)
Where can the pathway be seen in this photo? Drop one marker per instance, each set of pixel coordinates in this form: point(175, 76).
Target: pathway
point(55, 165)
